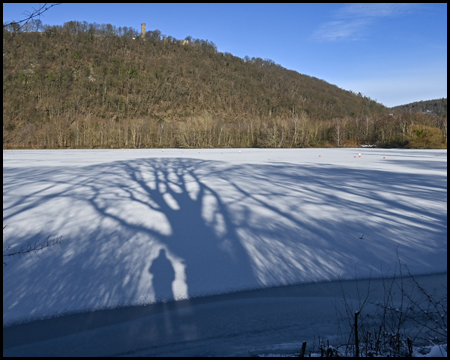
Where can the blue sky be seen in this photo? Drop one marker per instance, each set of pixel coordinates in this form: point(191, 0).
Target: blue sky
point(393, 53)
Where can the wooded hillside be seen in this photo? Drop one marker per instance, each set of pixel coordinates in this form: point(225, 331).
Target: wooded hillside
point(90, 85)
point(436, 106)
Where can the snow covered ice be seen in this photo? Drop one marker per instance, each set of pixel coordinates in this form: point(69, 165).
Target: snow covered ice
point(143, 225)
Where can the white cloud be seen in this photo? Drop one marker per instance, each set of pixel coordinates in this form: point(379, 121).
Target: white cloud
point(337, 30)
point(372, 10)
point(351, 20)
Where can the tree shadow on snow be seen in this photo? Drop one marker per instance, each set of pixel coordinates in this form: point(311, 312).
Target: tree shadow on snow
point(161, 228)
point(133, 232)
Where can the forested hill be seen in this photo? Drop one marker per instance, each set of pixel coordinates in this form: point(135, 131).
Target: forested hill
point(91, 85)
point(436, 106)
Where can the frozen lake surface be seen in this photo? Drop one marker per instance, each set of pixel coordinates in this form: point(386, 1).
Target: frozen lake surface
point(140, 226)
point(257, 322)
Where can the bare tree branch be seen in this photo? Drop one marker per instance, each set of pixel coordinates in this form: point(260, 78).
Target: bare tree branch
point(31, 247)
point(32, 15)
point(22, 23)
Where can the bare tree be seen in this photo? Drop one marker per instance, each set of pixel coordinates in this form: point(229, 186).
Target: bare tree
point(338, 131)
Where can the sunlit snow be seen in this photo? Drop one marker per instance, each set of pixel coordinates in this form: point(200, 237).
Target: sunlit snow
point(141, 225)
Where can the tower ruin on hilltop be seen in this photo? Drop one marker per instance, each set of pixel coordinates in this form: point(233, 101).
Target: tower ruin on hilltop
point(143, 31)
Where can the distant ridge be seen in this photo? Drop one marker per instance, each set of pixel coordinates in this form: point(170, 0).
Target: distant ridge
point(436, 106)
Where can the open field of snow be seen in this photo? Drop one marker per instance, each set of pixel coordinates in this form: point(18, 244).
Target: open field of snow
point(143, 225)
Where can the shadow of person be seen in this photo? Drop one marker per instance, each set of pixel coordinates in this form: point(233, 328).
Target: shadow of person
point(163, 276)
point(203, 233)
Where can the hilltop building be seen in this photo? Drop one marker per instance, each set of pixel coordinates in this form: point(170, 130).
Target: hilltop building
point(143, 31)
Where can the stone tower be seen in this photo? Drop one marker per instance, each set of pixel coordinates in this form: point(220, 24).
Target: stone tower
point(143, 31)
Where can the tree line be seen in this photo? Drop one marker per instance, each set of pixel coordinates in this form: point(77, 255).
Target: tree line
point(95, 85)
point(205, 131)
point(436, 106)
